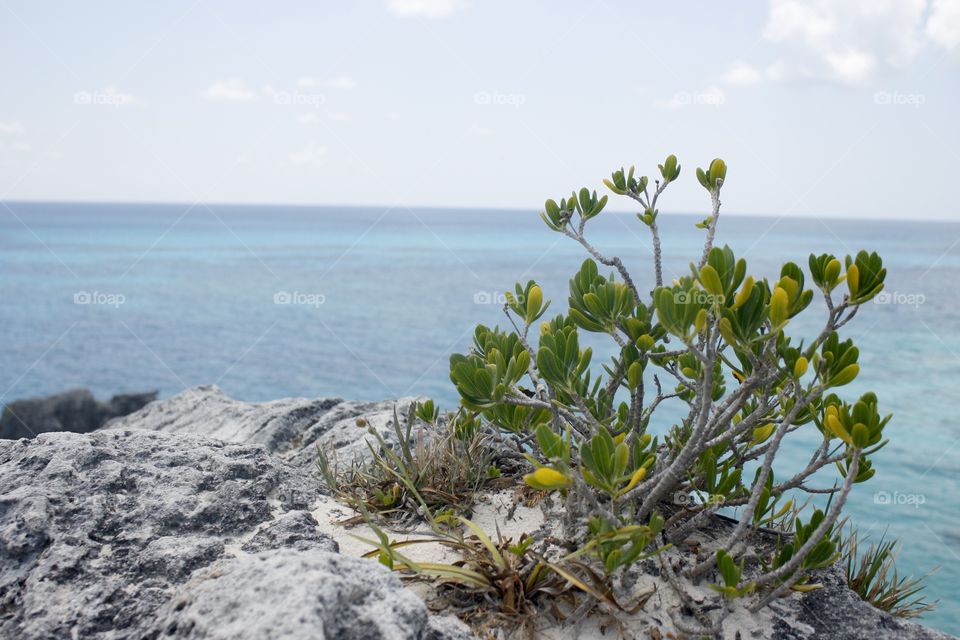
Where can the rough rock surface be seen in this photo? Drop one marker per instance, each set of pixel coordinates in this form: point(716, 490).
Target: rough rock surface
point(293, 530)
point(835, 612)
point(333, 597)
point(291, 428)
point(75, 411)
point(100, 531)
point(124, 533)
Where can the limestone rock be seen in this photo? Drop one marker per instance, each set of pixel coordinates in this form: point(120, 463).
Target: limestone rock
point(291, 428)
point(75, 411)
point(284, 594)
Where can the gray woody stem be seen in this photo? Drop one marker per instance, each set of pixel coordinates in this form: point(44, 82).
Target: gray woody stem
point(794, 563)
point(712, 229)
point(610, 262)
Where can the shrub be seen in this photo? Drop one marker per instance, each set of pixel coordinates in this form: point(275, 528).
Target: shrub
point(716, 341)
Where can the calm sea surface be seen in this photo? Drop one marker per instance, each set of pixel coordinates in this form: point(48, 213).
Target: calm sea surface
point(362, 303)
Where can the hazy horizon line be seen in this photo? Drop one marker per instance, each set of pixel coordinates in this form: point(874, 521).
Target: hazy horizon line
point(306, 205)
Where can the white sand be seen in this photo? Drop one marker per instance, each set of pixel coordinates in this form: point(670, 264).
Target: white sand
point(491, 512)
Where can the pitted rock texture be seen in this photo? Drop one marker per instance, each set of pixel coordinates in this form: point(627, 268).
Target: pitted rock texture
point(293, 530)
point(121, 533)
point(291, 428)
point(333, 597)
point(836, 612)
point(97, 530)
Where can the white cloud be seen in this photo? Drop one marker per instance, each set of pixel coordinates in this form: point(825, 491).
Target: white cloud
point(20, 147)
point(13, 128)
point(943, 27)
point(777, 71)
point(310, 155)
point(425, 8)
point(852, 66)
point(849, 42)
point(230, 90)
point(743, 75)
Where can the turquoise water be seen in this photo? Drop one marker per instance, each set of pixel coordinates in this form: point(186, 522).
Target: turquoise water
point(379, 298)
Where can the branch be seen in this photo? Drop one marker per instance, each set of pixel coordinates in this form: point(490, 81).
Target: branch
point(712, 229)
point(610, 262)
point(797, 559)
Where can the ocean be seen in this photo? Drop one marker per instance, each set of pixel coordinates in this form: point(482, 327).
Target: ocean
point(368, 303)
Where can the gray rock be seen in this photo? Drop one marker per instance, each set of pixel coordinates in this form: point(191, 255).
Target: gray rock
point(291, 428)
point(836, 612)
point(119, 534)
point(448, 628)
point(76, 411)
point(299, 594)
point(294, 530)
point(97, 530)
point(833, 612)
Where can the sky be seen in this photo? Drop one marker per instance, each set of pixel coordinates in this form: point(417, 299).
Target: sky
point(820, 108)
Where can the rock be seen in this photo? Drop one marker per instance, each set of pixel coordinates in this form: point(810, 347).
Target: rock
point(284, 594)
point(76, 411)
point(294, 530)
point(292, 428)
point(448, 628)
point(97, 530)
point(832, 612)
point(123, 534)
point(836, 612)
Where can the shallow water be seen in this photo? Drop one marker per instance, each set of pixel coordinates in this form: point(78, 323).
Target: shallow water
point(135, 297)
